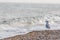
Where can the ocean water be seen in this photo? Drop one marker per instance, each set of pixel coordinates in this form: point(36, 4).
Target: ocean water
point(22, 18)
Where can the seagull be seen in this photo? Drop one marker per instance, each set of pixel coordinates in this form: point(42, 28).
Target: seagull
point(47, 24)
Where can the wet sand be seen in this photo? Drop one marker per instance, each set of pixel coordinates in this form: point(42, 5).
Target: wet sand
point(37, 35)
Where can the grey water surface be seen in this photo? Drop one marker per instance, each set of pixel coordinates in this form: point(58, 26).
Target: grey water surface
point(21, 18)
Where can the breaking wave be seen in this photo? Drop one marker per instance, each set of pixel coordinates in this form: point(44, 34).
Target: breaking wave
point(24, 21)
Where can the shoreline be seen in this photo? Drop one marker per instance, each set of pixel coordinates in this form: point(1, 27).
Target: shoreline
point(37, 35)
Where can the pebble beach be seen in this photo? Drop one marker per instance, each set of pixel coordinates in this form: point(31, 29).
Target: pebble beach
point(37, 35)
